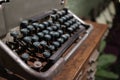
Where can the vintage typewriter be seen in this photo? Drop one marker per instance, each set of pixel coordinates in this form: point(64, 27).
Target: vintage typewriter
point(38, 46)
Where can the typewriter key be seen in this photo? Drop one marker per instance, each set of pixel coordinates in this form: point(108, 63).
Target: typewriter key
point(61, 40)
point(47, 37)
point(64, 37)
point(30, 27)
point(50, 22)
point(36, 44)
point(61, 20)
point(24, 24)
point(46, 24)
point(54, 17)
point(41, 26)
point(14, 34)
point(27, 39)
point(70, 22)
point(46, 54)
point(70, 16)
point(60, 14)
point(73, 20)
point(70, 29)
point(35, 38)
point(67, 24)
point(54, 28)
point(60, 31)
point(57, 25)
point(38, 47)
point(56, 44)
point(56, 34)
point(54, 11)
point(66, 10)
point(52, 33)
point(40, 35)
point(24, 31)
point(50, 28)
point(68, 35)
point(63, 12)
point(35, 25)
point(43, 43)
point(37, 64)
point(25, 56)
point(45, 31)
point(51, 47)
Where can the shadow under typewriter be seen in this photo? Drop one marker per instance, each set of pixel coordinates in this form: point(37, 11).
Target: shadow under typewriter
point(40, 46)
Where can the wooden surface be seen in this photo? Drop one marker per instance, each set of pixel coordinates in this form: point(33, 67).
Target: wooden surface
point(74, 65)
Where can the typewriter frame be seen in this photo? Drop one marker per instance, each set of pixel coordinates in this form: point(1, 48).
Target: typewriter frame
point(13, 62)
point(22, 69)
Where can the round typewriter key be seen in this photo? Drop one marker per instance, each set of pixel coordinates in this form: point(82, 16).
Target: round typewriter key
point(46, 54)
point(57, 34)
point(56, 44)
point(61, 20)
point(78, 23)
point(37, 64)
point(24, 24)
point(25, 56)
point(40, 34)
point(66, 10)
point(41, 26)
point(35, 38)
point(54, 28)
point(27, 39)
point(63, 12)
point(68, 35)
point(76, 26)
point(73, 27)
point(14, 34)
point(70, 22)
point(52, 33)
point(61, 40)
point(36, 44)
point(67, 24)
point(67, 17)
point(60, 14)
point(70, 16)
point(57, 25)
point(70, 29)
point(46, 24)
point(35, 24)
point(54, 17)
point(73, 20)
point(24, 31)
point(51, 47)
point(54, 11)
point(50, 22)
point(64, 37)
point(64, 18)
point(50, 28)
point(30, 27)
point(48, 37)
point(60, 31)
point(43, 43)
point(45, 31)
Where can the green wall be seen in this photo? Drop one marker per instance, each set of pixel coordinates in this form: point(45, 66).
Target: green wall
point(82, 7)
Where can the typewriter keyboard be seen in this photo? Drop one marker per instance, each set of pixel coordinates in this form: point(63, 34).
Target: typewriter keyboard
point(40, 42)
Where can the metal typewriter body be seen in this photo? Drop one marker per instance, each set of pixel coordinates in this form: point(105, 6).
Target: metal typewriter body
point(12, 61)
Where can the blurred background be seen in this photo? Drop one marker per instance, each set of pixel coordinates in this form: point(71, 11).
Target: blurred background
point(104, 12)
